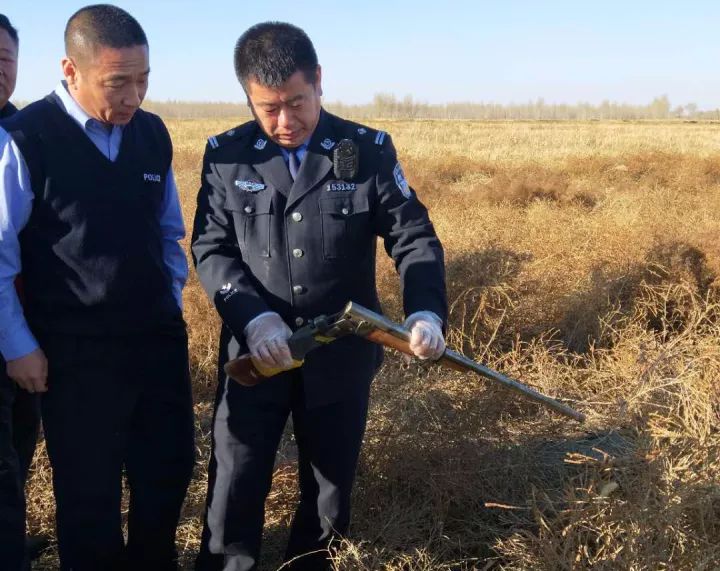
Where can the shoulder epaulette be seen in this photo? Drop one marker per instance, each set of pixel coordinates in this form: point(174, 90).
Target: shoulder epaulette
point(359, 132)
point(362, 134)
point(233, 134)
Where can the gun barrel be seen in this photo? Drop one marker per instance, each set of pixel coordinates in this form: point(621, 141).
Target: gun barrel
point(462, 363)
point(359, 314)
point(368, 320)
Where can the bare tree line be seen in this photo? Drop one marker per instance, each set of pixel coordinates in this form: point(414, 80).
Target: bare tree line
point(388, 106)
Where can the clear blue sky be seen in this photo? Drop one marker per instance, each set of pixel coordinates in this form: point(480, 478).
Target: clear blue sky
point(500, 51)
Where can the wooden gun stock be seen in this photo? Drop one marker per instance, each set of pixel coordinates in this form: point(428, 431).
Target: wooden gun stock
point(249, 372)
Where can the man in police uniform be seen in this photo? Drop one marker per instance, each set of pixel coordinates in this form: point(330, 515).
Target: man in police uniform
point(89, 209)
point(279, 238)
point(19, 409)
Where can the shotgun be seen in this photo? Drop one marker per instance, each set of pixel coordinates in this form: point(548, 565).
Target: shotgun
point(358, 320)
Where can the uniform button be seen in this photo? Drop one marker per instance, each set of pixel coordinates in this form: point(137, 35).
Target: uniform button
point(298, 289)
point(297, 217)
point(299, 321)
point(298, 253)
point(249, 210)
point(345, 211)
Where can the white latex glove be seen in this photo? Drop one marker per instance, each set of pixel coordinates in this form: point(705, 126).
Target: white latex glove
point(267, 337)
point(426, 338)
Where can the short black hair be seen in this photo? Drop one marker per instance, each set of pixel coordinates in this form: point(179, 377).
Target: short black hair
point(8, 27)
point(271, 52)
point(101, 25)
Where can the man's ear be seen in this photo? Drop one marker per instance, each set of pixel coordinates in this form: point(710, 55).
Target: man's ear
point(318, 80)
point(70, 71)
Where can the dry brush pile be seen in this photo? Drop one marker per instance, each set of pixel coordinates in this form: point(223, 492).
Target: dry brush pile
point(582, 259)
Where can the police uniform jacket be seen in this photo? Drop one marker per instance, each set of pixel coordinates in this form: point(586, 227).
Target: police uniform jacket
point(303, 248)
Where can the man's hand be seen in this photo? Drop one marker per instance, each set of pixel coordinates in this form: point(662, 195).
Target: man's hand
point(426, 338)
point(267, 337)
point(30, 371)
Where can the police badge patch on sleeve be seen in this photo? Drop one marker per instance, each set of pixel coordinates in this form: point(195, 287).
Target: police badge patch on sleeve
point(401, 181)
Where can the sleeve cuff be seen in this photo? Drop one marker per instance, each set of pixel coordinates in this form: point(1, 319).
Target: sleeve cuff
point(19, 343)
point(237, 309)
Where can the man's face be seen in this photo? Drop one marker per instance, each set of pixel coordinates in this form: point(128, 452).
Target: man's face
point(110, 84)
point(8, 67)
point(287, 114)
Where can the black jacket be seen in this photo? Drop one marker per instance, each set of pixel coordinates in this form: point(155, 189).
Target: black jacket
point(262, 242)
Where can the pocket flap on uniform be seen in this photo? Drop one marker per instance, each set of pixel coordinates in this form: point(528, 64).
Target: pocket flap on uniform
point(344, 204)
point(250, 204)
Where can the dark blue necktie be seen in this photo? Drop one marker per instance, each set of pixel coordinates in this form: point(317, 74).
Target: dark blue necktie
point(293, 164)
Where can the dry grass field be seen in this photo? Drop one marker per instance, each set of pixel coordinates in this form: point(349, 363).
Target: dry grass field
point(582, 258)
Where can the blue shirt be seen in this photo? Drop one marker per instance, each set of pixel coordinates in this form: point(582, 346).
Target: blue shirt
point(299, 152)
point(16, 196)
